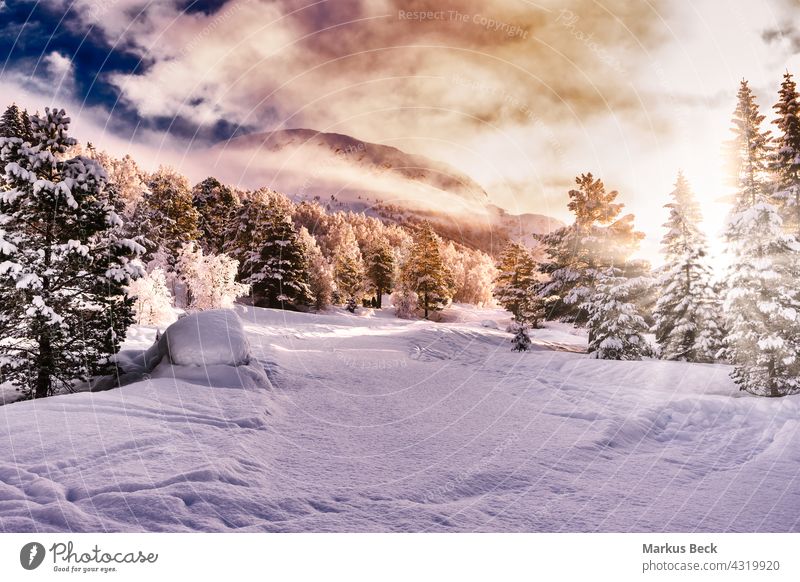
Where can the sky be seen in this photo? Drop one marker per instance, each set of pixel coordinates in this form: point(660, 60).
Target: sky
point(523, 96)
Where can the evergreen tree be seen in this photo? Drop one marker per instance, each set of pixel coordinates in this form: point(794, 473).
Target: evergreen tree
point(686, 312)
point(215, 204)
point(749, 151)
point(521, 339)
point(616, 328)
point(278, 274)
point(515, 285)
point(63, 265)
point(597, 239)
point(762, 302)
point(174, 218)
point(320, 272)
point(380, 270)
point(11, 123)
point(348, 267)
point(785, 160)
point(27, 128)
point(425, 273)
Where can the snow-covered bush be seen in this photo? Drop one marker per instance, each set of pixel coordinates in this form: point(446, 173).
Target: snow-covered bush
point(405, 303)
point(153, 300)
point(521, 340)
point(210, 280)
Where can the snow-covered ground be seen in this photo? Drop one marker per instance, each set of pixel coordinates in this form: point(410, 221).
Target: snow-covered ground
point(372, 423)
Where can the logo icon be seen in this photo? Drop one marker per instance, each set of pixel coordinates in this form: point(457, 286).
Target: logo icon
point(31, 555)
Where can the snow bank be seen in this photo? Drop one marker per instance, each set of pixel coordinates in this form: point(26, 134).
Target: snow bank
point(214, 337)
point(209, 348)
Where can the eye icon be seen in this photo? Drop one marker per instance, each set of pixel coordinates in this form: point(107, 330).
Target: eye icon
point(31, 555)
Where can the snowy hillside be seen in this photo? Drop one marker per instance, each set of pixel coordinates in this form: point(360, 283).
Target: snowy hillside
point(372, 423)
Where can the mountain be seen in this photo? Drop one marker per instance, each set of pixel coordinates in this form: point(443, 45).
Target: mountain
point(345, 173)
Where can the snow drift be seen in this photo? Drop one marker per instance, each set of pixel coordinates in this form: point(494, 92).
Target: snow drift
point(207, 347)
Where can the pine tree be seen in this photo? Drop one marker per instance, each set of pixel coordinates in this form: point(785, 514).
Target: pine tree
point(320, 272)
point(380, 269)
point(174, 218)
point(686, 312)
point(278, 273)
point(425, 273)
point(215, 204)
point(348, 267)
point(785, 160)
point(515, 285)
point(597, 239)
point(63, 265)
point(616, 328)
point(762, 301)
point(11, 123)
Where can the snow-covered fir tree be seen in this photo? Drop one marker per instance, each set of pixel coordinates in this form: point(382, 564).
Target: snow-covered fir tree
point(63, 265)
point(152, 299)
point(245, 235)
point(215, 204)
point(687, 314)
point(785, 158)
point(762, 301)
point(12, 123)
point(278, 272)
point(616, 328)
point(381, 269)
point(515, 285)
point(521, 340)
point(598, 238)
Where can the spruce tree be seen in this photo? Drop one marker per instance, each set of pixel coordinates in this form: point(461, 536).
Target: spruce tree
point(686, 312)
point(598, 238)
point(515, 285)
point(11, 123)
point(215, 204)
point(425, 273)
point(279, 272)
point(63, 265)
point(762, 302)
point(616, 328)
point(785, 159)
point(380, 269)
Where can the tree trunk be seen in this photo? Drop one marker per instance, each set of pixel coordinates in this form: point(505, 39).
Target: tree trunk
point(44, 365)
point(380, 296)
point(426, 305)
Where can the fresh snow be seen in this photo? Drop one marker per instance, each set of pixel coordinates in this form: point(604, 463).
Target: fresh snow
point(372, 423)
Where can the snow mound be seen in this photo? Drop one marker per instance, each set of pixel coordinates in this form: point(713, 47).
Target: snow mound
point(206, 338)
point(208, 348)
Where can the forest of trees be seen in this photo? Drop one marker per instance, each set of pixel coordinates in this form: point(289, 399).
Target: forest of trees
point(90, 243)
point(748, 316)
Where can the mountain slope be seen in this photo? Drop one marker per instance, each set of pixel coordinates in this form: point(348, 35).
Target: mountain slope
point(345, 173)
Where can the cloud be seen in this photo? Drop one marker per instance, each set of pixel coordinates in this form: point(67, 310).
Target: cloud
point(521, 95)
